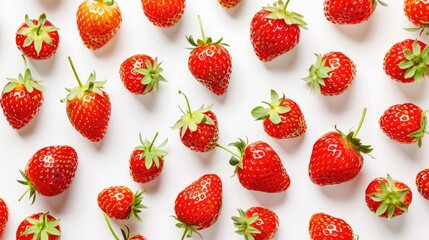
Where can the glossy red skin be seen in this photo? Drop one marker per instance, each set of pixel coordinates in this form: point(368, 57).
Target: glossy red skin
point(272, 38)
point(204, 139)
point(262, 169)
point(20, 106)
point(267, 223)
point(131, 79)
point(47, 50)
point(116, 202)
point(422, 183)
point(138, 170)
point(400, 120)
point(4, 216)
point(200, 203)
point(417, 11)
point(374, 186)
point(333, 160)
point(52, 169)
point(25, 224)
point(137, 237)
point(342, 76)
point(394, 56)
point(163, 13)
point(90, 115)
point(229, 3)
point(348, 11)
point(326, 227)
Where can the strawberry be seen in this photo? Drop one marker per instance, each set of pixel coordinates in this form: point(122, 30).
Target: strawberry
point(417, 11)
point(229, 3)
point(37, 39)
point(125, 232)
point(163, 13)
point(198, 205)
point(210, 62)
point(350, 11)
point(404, 123)
point(406, 62)
point(258, 167)
point(332, 74)
point(256, 223)
point(39, 226)
point(141, 74)
point(422, 183)
point(88, 107)
point(275, 31)
point(388, 198)
point(327, 227)
point(4, 216)
point(120, 203)
point(336, 157)
point(198, 129)
point(50, 171)
point(282, 119)
point(98, 21)
point(21, 99)
point(147, 160)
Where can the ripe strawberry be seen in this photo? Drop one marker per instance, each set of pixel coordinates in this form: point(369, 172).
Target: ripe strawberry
point(21, 99)
point(120, 203)
point(37, 39)
point(4, 216)
point(404, 123)
point(422, 182)
point(256, 223)
point(98, 21)
point(141, 74)
point(350, 11)
point(417, 11)
point(88, 107)
point(406, 62)
point(258, 167)
point(163, 13)
point(229, 3)
point(336, 157)
point(125, 232)
point(388, 198)
point(275, 31)
point(332, 74)
point(210, 62)
point(198, 129)
point(39, 226)
point(282, 119)
point(50, 171)
point(147, 160)
point(198, 205)
point(326, 227)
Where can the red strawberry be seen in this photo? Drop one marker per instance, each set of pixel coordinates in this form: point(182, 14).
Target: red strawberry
point(388, 198)
point(120, 203)
point(88, 107)
point(326, 227)
point(422, 182)
point(21, 99)
point(282, 119)
point(163, 13)
point(125, 232)
point(336, 157)
point(198, 129)
point(258, 167)
point(98, 21)
point(229, 3)
point(406, 62)
point(198, 205)
point(417, 11)
point(147, 160)
point(404, 123)
point(210, 62)
point(40, 226)
point(256, 223)
point(4, 216)
point(332, 74)
point(141, 74)
point(50, 171)
point(275, 31)
point(350, 11)
point(37, 39)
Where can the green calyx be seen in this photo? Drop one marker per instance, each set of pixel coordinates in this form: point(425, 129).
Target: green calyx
point(274, 109)
point(419, 134)
point(152, 75)
point(317, 73)
point(236, 159)
point(23, 80)
point(278, 11)
point(244, 225)
point(42, 228)
point(137, 206)
point(416, 62)
point(423, 29)
point(188, 229)
point(390, 198)
point(204, 40)
point(37, 34)
point(151, 153)
point(107, 2)
point(31, 189)
point(125, 232)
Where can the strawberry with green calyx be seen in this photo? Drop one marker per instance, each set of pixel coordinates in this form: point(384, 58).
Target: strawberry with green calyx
point(40, 226)
point(417, 12)
point(120, 203)
point(125, 232)
point(256, 223)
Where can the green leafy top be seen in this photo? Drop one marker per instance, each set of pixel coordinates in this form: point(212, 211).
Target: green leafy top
point(151, 154)
point(137, 205)
point(317, 73)
point(278, 11)
point(204, 40)
point(31, 188)
point(189, 229)
point(42, 228)
point(274, 109)
point(244, 225)
point(424, 28)
point(152, 75)
point(236, 158)
point(23, 80)
point(416, 62)
point(37, 34)
point(419, 134)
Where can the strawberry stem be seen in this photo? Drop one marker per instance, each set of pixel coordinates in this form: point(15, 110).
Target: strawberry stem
point(74, 71)
point(187, 103)
point(25, 62)
point(110, 227)
point(151, 144)
point(201, 28)
point(287, 3)
point(360, 123)
point(226, 149)
point(184, 233)
point(22, 196)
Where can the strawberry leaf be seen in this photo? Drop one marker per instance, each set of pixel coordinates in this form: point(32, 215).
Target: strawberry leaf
point(244, 225)
point(317, 73)
point(278, 12)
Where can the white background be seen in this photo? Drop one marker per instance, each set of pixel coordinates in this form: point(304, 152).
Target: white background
point(106, 164)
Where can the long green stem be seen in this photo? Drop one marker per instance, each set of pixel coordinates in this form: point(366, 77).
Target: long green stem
point(201, 28)
point(226, 149)
point(26, 191)
point(110, 227)
point(360, 122)
point(25, 62)
point(153, 141)
point(74, 71)
point(187, 103)
point(285, 6)
point(184, 233)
